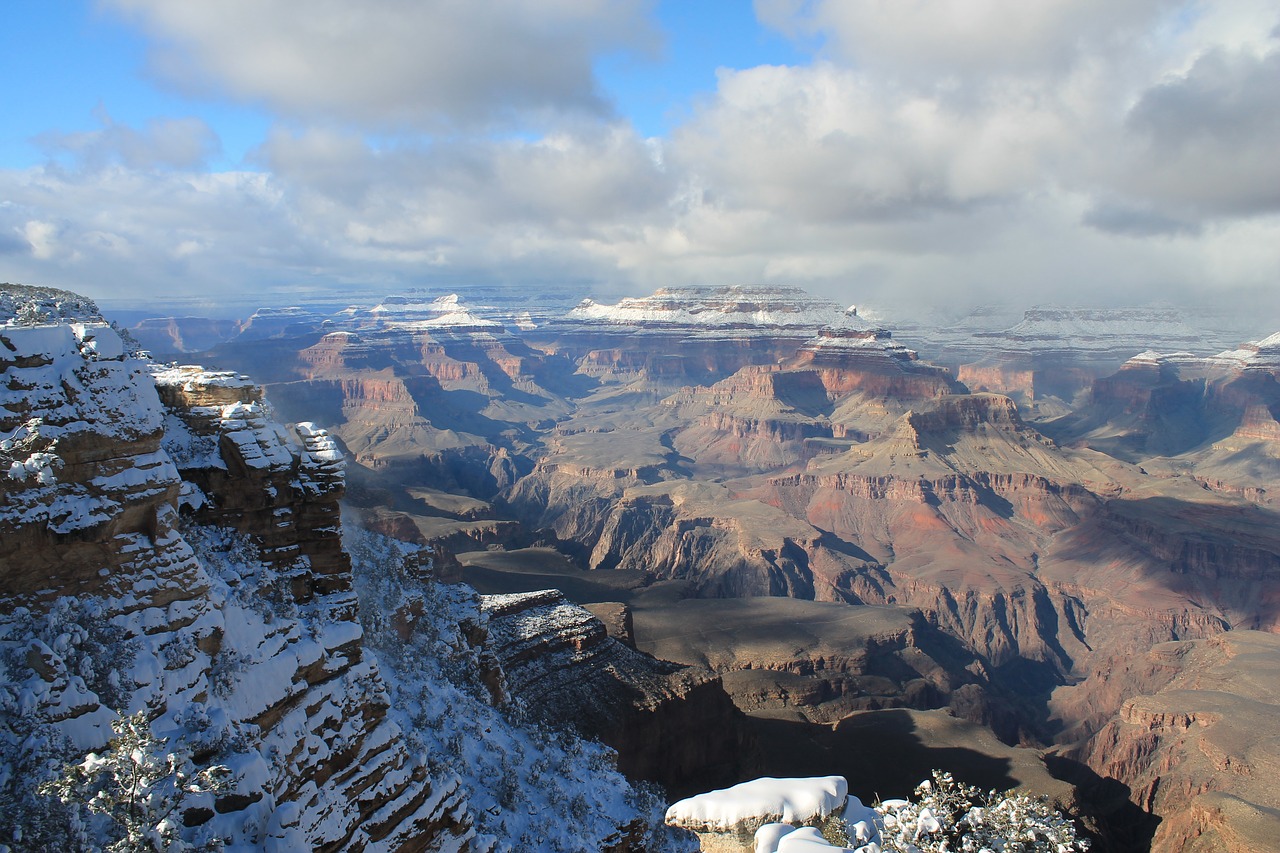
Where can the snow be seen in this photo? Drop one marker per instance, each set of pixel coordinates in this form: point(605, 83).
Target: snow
point(803, 840)
point(736, 307)
point(192, 376)
point(191, 621)
point(794, 800)
point(68, 381)
point(1062, 323)
point(99, 339)
point(417, 313)
point(1257, 355)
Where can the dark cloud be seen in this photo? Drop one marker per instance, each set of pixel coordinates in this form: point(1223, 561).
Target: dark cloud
point(1208, 138)
point(1136, 222)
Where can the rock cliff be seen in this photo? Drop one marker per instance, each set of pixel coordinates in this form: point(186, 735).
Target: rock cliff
point(100, 521)
point(1194, 741)
point(167, 547)
point(562, 662)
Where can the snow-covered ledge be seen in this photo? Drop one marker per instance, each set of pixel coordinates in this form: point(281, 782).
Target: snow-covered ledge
point(726, 821)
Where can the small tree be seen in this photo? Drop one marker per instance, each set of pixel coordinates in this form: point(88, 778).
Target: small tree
point(139, 785)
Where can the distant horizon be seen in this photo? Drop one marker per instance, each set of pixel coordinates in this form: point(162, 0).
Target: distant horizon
point(1250, 326)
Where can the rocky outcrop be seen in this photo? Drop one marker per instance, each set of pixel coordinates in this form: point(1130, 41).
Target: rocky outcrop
point(870, 362)
point(1197, 750)
point(1059, 351)
point(729, 820)
point(247, 472)
point(691, 334)
point(560, 660)
point(85, 472)
point(210, 647)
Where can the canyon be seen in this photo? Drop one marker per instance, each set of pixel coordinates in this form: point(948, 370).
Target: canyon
point(777, 490)
point(1046, 560)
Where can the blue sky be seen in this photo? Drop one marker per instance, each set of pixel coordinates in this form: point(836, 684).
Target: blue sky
point(927, 155)
point(90, 62)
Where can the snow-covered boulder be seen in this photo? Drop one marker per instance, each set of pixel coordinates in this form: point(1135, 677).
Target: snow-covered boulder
point(727, 820)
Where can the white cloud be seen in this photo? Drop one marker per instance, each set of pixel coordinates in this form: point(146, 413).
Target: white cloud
point(395, 63)
point(925, 40)
point(42, 237)
point(1101, 155)
point(179, 143)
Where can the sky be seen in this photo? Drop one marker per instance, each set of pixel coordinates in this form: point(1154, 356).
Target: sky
point(917, 154)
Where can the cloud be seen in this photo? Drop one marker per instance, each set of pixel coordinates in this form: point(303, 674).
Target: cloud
point(925, 41)
point(396, 63)
point(1206, 140)
point(824, 143)
point(1135, 221)
point(178, 143)
point(1071, 153)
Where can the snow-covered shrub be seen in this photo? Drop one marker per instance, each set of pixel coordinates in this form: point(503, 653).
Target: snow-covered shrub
point(26, 453)
point(30, 314)
point(235, 558)
point(139, 784)
point(74, 651)
point(947, 815)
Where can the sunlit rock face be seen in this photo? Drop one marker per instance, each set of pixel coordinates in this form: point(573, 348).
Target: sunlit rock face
point(85, 473)
point(281, 486)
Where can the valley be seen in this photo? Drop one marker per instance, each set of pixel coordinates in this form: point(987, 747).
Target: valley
point(799, 548)
point(763, 486)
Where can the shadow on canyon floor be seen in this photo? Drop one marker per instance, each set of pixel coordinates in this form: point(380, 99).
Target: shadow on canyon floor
point(1120, 825)
point(881, 753)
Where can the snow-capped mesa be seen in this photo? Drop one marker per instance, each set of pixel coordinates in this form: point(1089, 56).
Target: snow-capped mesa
point(278, 322)
point(1255, 355)
point(1252, 355)
point(420, 313)
point(745, 309)
point(1100, 330)
point(829, 341)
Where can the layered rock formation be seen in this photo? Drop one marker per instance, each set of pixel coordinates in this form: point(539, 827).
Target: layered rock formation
point(190, 638)
point(1195, 741)
point(561, 661)
point(1215, 416)
point(734, 442)
point(1057, 352)
point(692, 334)
point(179, 554)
